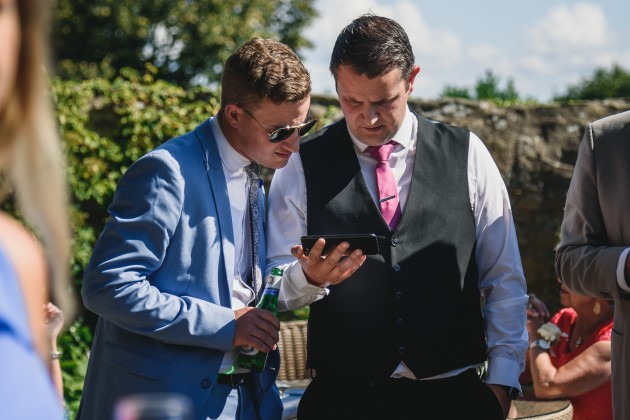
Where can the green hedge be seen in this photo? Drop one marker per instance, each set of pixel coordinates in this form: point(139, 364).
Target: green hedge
point(106, 126)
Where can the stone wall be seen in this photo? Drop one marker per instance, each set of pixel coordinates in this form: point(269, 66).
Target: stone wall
point(535, 148)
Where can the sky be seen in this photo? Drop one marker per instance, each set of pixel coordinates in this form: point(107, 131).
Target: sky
point(544, 46)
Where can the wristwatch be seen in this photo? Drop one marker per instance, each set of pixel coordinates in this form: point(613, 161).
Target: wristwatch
point(541, 344)
point(511, 391)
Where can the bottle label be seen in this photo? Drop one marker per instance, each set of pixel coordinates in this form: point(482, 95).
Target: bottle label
point(274, 281)
point(270, 291)
point(248, 351)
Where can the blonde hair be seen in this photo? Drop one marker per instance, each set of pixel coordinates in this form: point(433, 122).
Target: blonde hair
point(32, 166)
point(264, 69)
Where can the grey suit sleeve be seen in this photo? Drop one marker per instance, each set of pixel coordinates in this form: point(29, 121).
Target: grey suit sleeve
point(586, 261)
point(144, 215)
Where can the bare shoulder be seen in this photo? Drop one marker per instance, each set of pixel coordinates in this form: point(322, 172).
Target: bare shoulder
point(29, 261)
point(22, 249)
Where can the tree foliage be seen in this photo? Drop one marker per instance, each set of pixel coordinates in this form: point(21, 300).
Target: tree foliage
point(451, 91)
point(106, 126)
point(75, 346)
point(486, 88)
point(611, 83)
point(186, 41)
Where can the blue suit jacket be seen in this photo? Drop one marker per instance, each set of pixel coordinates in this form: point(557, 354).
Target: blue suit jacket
point(160, 278)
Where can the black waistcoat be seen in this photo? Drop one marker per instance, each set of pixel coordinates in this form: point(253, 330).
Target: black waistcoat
point(419, 300)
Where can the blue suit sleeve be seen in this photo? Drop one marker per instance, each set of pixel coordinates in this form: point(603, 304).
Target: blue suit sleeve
point(118, 283)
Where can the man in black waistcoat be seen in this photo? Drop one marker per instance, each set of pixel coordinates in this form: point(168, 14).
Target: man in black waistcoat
point(403, 333)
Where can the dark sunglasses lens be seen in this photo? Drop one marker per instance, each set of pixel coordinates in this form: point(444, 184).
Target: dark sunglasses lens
point(281, 134)
point(307, 127)
point(284, 133)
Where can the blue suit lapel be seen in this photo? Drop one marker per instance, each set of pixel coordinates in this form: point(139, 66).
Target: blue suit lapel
point(218, 187)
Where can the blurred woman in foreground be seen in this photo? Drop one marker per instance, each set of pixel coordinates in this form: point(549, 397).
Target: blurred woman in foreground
point(31, 169)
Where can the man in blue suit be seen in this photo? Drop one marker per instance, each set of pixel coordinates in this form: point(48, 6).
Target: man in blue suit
point(170, 275)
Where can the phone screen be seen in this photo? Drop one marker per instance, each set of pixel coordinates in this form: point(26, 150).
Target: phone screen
point(368, 243)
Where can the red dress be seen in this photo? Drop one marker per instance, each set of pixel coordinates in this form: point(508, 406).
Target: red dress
point(597, 403)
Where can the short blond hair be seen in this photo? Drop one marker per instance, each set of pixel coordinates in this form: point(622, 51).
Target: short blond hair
point(264, 69)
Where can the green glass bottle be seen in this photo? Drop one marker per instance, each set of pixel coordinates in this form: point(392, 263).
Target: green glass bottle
point(249, 357)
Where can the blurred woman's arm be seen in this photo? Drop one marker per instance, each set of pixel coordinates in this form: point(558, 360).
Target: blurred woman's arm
point(586, 372)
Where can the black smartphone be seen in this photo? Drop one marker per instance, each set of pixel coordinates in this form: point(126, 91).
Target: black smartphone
point(366, 242)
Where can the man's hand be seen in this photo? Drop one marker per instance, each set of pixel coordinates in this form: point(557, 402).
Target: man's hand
point(325, 270)
point(537, 315)
point(536, 308)
point(256, 328)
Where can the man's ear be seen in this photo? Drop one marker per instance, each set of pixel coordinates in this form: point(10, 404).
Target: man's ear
point(232, 114)
point(412, 78)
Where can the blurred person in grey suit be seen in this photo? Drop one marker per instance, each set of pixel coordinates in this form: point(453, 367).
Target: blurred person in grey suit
point(595, 241)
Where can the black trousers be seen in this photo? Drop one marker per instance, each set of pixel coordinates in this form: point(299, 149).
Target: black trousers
point(465, 396)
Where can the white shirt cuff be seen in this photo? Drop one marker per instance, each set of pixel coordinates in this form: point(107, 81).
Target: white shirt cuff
point(295, 291)
point(621, 270)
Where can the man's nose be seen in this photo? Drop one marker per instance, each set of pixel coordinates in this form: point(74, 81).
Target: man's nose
point(370, 115)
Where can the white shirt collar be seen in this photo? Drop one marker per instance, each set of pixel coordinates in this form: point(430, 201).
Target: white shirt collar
point(404, 136)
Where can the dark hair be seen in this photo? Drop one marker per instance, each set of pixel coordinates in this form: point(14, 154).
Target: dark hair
point(373, 46)
point(264, 68)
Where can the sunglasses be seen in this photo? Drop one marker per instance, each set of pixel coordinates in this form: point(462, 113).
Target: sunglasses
point(280, 134)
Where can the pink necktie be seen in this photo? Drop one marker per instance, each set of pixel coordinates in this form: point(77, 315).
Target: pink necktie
point(387, 190)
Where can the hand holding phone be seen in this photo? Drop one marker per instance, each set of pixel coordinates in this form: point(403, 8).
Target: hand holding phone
point(368, 242)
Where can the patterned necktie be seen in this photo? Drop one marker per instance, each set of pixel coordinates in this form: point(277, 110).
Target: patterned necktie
point(254, 225)
point(387, 189)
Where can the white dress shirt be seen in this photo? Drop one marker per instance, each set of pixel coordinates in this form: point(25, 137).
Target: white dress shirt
point(238, 191)
point(501, 278)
